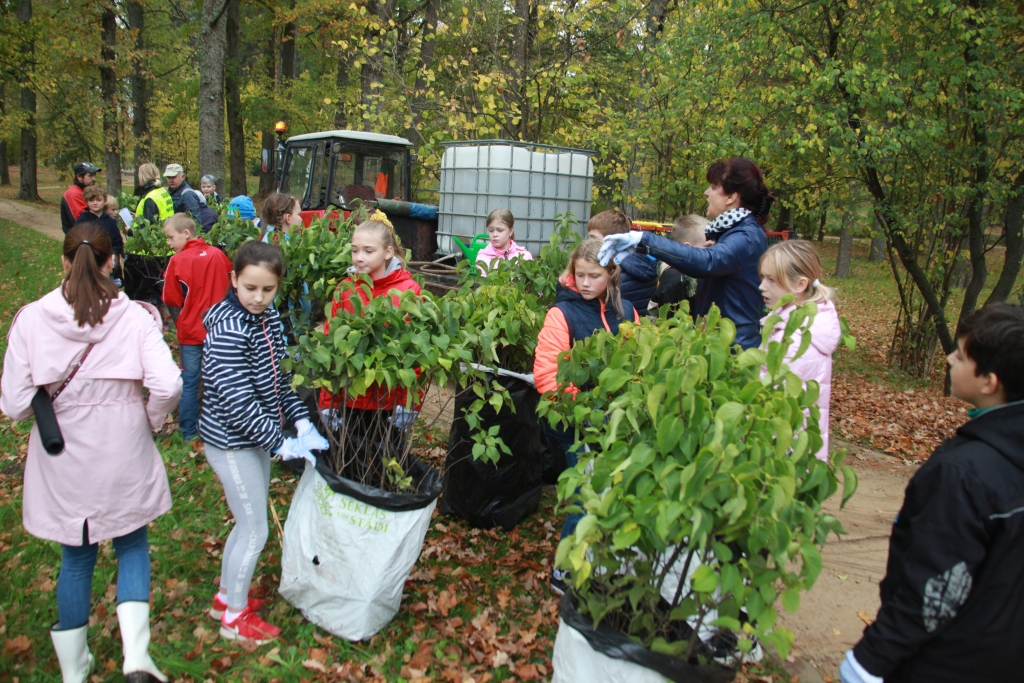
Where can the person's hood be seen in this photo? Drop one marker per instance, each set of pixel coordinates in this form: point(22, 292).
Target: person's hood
point(490, 252)
point(1002, 428)
point(60, 318)
point(230, 308)
point(143, 190)
point(246, 209)
point(640, 267)
point(825, 329)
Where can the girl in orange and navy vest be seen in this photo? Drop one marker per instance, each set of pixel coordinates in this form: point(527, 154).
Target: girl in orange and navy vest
point(587, 301)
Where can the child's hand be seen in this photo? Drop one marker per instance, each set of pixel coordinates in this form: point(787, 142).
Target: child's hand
point(309, 438)
point(618, 247)
point(293, 449)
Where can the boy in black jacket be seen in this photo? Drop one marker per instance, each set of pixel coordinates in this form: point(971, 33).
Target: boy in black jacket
point(953, 595)
point(96, 200)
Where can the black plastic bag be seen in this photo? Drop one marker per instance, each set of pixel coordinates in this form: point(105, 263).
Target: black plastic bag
point(611, 643)
point(426, 486)
point(143, 277)
point(480, 493)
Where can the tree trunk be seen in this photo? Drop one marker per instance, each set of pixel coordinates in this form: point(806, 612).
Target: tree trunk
point(1013, 232)
point(108, 88)
point(821, 223)
point(288, 51)
point(371, 75)
point(341, 81)
point(236, 130)
point(211, 90)
point(785, 221)
point(140, 90)
point(877, 253)
point(29, 189)
point(268, 178)
point(521, 56)
point(5, 173)
point(419, 96)
point(845, 246)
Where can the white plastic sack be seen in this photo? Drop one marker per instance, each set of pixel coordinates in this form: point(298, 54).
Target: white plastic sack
point(574, 661)
point(345, 562)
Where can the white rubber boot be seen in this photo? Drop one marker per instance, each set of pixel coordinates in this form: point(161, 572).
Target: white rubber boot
point(138, 666)
point(72, 653)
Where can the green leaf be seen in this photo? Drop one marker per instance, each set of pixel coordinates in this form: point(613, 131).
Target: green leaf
point(791, 600)
point(670, 429)
point(849, 483)
point(704, 579)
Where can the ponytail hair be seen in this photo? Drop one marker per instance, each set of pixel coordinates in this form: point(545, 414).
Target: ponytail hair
point(742, 176)
point(588, 250)
point(385, 233)
point(790, 260)
point(277, 207)
point(86, 287)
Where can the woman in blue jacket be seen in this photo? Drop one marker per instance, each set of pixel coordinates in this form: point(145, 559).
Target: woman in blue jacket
point(738, 206)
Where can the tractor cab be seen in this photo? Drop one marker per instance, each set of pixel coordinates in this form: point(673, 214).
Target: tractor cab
point(331, 169)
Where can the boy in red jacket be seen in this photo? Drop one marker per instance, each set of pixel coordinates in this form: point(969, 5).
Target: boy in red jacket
point(197, 277)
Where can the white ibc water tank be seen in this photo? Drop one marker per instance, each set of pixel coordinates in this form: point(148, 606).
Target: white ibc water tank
point(534, 182)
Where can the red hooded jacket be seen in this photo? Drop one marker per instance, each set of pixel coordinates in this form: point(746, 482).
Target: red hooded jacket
point(377, 397)
point(197, 277)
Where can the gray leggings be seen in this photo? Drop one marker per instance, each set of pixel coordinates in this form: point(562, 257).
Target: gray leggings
point(246, 479)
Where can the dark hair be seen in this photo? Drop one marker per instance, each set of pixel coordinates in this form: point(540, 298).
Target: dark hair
point(743, 176)
point(85, 286)
point(254, 253)
point(276, 206)
point(994, 339)
point(611, 222)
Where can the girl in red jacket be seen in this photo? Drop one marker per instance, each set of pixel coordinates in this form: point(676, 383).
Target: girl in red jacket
point(587, 301)
point(377, 253)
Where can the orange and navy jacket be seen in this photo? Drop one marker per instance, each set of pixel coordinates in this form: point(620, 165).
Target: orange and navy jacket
point(376, 397)
point(196, 278)
point(571, 318)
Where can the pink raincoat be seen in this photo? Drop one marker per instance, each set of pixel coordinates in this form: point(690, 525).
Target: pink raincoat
point(816, 362)
point(110, 472)
point(489, 253)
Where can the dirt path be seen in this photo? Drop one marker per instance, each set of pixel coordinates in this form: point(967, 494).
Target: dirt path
point(41, 220)
point(827, 623)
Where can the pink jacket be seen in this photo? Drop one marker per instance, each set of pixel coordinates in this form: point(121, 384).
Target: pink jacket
point(110, 472)
point(816, 362)
point(489, 253)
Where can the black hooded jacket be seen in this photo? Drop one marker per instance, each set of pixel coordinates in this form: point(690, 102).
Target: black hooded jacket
point(953, 595)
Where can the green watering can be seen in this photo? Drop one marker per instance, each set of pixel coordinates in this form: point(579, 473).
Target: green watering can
point(474, 247)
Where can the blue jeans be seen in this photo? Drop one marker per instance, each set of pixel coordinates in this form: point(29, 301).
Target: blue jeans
point(564, 439)
point(191, 370)
point(74, 584)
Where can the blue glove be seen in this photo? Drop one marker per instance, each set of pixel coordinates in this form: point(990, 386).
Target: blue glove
point(851, 671)
point(292, 449)
point(619, 246)
point(309, 437)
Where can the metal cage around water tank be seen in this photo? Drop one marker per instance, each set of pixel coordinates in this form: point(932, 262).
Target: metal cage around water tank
point(535, 182)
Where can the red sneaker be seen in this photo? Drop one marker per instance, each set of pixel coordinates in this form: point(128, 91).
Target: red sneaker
point(217, 611)
point(249, 627)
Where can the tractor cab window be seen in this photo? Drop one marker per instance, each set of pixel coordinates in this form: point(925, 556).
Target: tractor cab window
point(298, 167)
point(367, 175)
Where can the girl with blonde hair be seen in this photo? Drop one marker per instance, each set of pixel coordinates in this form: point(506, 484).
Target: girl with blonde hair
point(794, 267)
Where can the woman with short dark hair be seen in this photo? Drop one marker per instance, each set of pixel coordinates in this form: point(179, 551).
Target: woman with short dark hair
point(738, 206)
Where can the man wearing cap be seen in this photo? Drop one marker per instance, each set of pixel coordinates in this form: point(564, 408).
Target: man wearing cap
point(184, 197)
point(72, 204)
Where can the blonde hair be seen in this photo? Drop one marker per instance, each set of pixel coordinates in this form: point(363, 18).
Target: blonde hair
point(790, 260)
point(688, 228)
point(148, 172)
point(181, 222)
point(386, 234)
point(588, 250)
point(112, 204)
point(506, 217)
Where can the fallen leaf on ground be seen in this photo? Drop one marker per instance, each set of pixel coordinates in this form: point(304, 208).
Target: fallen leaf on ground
point(865, 617)
point(314, 665)
point(18, 645)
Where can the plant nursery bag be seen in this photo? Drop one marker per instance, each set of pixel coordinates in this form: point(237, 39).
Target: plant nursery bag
point(481, 493)
point(603, 655)
point(349, 548)
point(143, 277)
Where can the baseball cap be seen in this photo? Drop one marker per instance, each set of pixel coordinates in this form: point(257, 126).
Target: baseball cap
point(86, 167)
point(173, 170)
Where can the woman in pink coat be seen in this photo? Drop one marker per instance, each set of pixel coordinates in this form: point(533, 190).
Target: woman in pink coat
point(793, 267)
point(109, 482)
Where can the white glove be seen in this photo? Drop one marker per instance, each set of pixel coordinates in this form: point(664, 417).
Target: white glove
point(851, 671)
point(403, 419)
point(619, 246)
point(292, 449)
point(309, 437)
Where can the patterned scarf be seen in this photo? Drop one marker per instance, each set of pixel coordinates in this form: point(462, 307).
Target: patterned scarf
point(724, 222)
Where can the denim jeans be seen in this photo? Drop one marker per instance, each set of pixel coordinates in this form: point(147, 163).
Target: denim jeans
point(564, 440)
point(74, 584)
point(188, 408)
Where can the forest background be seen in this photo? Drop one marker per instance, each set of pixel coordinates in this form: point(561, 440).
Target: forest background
point(898, 120)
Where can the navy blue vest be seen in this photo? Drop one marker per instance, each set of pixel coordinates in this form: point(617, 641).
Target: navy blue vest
point(584, 317)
